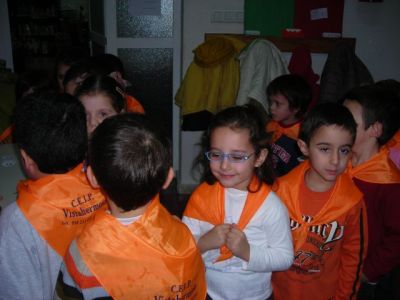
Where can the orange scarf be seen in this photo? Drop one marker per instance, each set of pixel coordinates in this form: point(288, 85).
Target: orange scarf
point(395, 141)
point(343, 197)
point(132, 105)
point(155, 257)
point(58, 206)
point(379, 169)
point(278, 130)
point(207, 204)
point(6, 135)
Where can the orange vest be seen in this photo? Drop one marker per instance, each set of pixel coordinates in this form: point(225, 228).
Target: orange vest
point(378, 169)
point(133, 105)
point(59, 205)
point(6, 135)
point(288, 188)
point(395, 141)
point(207, 203)
point(155, 257)
point(278, 130)
point(329, 249)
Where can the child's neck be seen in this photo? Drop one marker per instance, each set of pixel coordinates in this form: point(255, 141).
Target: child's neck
point(360, 157)
point(315, 184)
point(120, 213)
point(288, 123)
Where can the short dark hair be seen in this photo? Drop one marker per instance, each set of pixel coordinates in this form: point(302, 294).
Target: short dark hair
point(111, 62)
point(378, 105)
point(327, 114)
point(85, 67)
point(51, 129)
point(130, 157)
point(239, 117)
point(295, 89)
point(106, 85)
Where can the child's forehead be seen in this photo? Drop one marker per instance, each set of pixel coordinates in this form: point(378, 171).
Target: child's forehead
point(278, 96)
point(331, 134)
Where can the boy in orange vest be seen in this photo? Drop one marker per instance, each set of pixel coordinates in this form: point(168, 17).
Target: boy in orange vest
point(289, 97)
point(326, 210)
point(137, 250)
point(376, 112)
point(54, 204)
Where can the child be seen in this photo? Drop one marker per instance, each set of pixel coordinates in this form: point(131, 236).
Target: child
point(326, 211)
point(102, 97)
point(241, 226)
point(289, 97)
point(377, 116)
point(54, 204)
point(64, 60)
point(137, 250)
point(78, 72)
point(115, 69)
point(392, 86)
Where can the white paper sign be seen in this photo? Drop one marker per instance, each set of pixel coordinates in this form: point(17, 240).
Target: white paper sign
point(319, 13)
point(144, 7)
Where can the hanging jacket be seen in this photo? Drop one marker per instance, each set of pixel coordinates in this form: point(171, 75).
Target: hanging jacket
point(260, 63)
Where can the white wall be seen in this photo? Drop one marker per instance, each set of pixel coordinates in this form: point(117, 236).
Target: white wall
point(375, 25)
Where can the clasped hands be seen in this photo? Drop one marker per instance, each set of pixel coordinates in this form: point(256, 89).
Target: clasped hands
point(230, 236)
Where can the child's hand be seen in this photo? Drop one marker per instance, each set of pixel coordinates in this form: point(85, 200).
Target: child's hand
point(214, 239)
point(237, 242)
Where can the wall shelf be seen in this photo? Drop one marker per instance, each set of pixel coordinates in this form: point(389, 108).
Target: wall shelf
point(316, 45)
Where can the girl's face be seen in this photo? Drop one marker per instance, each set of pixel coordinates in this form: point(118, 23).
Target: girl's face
point(281, 111)
point(225, 140)
point(97, 107)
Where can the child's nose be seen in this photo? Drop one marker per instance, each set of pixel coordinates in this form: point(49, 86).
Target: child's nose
point(335, 158)
point(224, 163)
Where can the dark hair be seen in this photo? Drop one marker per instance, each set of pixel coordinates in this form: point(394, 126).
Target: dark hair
point(111, 62)
point(85, 67)
point(130, 157)
point(71, 55)
point(35, 79)
point(389, 85)
point(106, 85)
point(378, 105)
point(238, 117)
point(295, 89)
point(327, 114)
point(51, 128)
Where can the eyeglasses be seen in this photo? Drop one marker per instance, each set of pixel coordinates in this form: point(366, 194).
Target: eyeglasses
point(232, 157)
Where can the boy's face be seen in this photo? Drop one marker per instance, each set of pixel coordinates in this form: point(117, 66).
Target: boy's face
point(363, 135)
point(329, 152)
point(281, 111)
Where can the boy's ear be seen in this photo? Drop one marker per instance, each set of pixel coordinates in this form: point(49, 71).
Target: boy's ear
point(261, 157)
point(91, 178)
point(170, 177)
point(29, 165)
point(376, 129)
point(303, 147)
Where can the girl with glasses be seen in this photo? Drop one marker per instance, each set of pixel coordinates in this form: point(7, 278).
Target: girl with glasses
point(240, 225)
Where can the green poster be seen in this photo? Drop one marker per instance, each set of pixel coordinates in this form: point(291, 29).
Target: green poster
point(268, 17)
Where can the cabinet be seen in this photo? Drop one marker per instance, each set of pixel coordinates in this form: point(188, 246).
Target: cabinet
point(34, 29)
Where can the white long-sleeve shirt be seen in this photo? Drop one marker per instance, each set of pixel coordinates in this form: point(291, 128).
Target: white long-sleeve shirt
point(271, 249)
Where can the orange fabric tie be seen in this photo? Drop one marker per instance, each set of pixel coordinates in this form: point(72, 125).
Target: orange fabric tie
point(59, 206)
point(208, 204)
point(155, 257)
point(288, 187)
point(278, 130)
point(379, 169)
point(133, 105)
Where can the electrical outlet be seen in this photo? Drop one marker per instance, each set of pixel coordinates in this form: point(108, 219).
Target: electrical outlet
point(227, 16)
